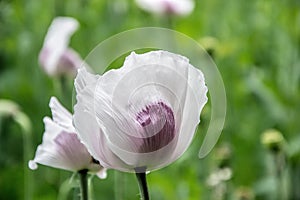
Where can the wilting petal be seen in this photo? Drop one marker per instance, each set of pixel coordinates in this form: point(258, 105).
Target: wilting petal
point(61, 147)
point(55, 52)
point(177, 7)
point(146, 111)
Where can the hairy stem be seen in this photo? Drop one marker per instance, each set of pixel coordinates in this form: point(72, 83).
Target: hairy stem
point(142, 181)
point(83, 184)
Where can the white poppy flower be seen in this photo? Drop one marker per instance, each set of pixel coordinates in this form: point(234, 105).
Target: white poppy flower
point(61, 147)
point(177, 7)
point(143, 115)
point(55, 57)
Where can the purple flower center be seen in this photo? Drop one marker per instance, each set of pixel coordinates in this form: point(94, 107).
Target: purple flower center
point(158, 126)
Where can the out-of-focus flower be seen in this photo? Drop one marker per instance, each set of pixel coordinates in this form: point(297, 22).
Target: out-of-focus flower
point(273, 140)
point(222, 155)
point(61, 147)
point(244, 193)
point(219, 176)
point(176, 7)
point(56, 57)
point(142, 116)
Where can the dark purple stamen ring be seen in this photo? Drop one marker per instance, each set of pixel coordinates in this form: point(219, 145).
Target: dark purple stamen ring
point(150, 116)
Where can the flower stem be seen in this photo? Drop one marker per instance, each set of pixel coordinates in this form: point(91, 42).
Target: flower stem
point(83, 184)
point(279, 159)
point(142, 181)
point(119, 185)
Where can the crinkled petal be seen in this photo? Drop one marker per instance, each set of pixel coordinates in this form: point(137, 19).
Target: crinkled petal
point(85, 79)
point(144, 79)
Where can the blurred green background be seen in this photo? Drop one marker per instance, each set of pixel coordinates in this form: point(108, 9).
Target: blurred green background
point(255, 45)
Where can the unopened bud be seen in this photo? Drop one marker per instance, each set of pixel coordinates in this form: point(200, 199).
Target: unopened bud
point(210, 44)
point(273, 140)
point(8, 108)
point(223, 155)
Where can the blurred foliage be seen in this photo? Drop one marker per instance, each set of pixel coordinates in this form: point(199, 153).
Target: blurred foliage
point(255, 45)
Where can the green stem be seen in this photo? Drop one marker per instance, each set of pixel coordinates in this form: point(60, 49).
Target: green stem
point(24, 122)
point(142, 181)
point(90, 188)
point(61, 89)
point(295, 180)
point(59, 8)
point(279, 161)
point(119, 185)
point(83, 184)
